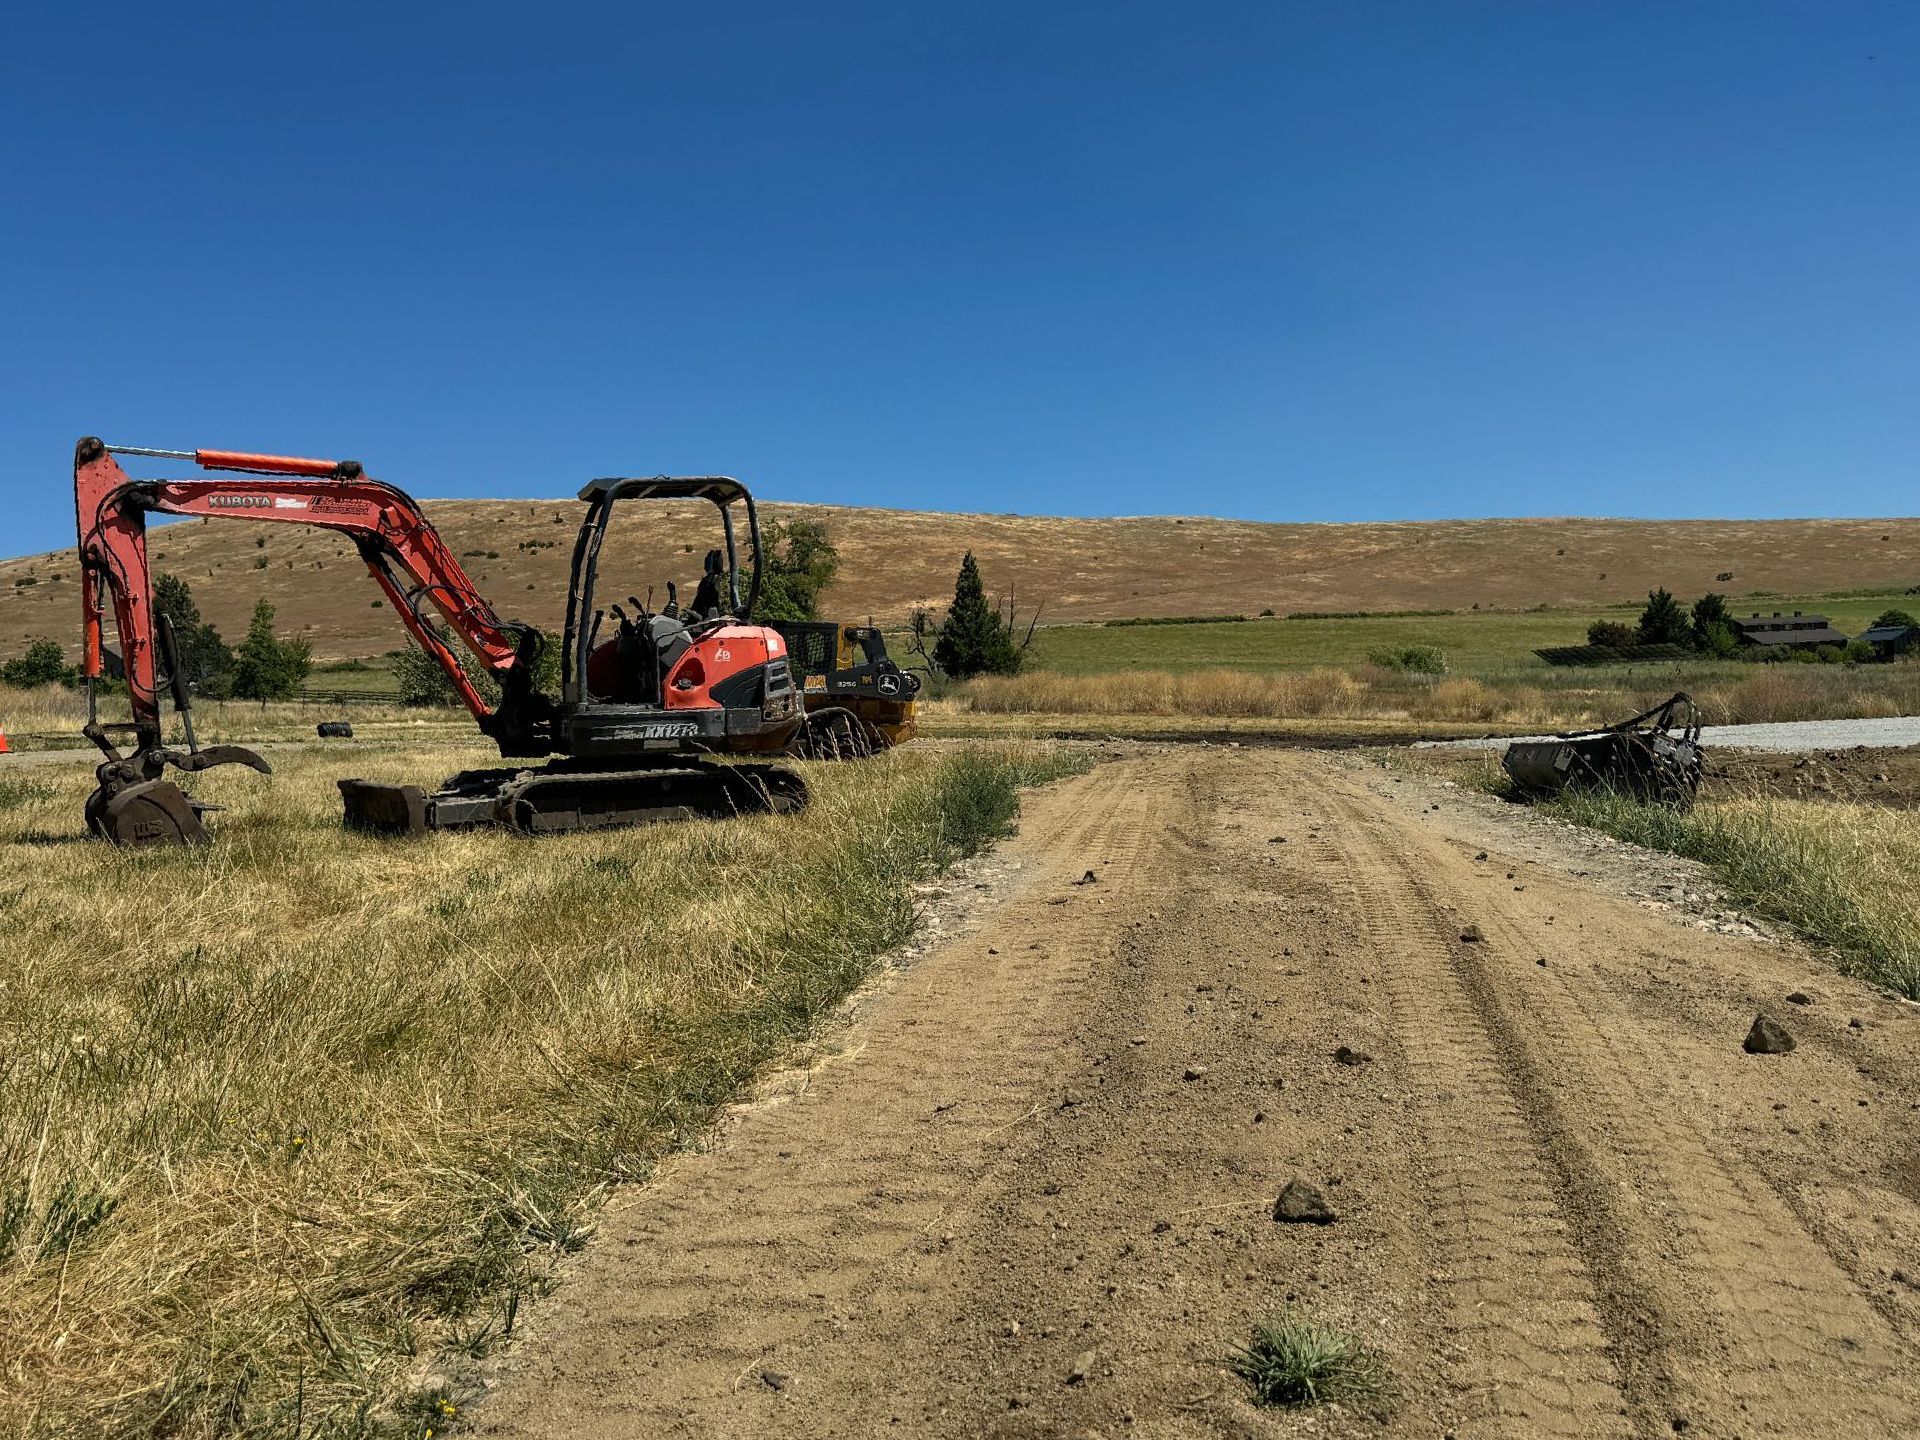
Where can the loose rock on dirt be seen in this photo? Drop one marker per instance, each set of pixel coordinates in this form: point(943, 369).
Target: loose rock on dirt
point(1767, 1037)
point(1302, 1202)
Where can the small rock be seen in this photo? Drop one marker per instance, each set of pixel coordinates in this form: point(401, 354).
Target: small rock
point(1471, 935)
point(1136, 1040)
point(1767, 1037)
point(774, 1380)
point(1800, 997)
point(1088, 879)
point(1854, 1024)
point(1541, 962)
point(1193, 1072)
point(1345, 1055)
point(1160, 1227)
point(1081, 1370)
point(1481, 856)
point(1301, 1202)
point(1278, 840)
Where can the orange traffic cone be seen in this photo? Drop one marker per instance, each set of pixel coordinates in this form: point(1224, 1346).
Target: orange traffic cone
point(5, 749)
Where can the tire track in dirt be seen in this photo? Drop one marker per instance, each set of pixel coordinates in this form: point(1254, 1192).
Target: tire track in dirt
point(1544, 1326)
point(807, 1230)
point(1720, 1309)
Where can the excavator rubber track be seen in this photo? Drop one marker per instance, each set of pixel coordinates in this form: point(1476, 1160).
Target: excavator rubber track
point(562, 797)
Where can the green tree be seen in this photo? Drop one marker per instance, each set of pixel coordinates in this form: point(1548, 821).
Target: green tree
point(974, 640)
point(1895, 617)
point(43, 664)
point(797, 563)
point(1709, 610)
point(204, 657)
point(1663, 622)
point(267, 667)
point(1610, 634)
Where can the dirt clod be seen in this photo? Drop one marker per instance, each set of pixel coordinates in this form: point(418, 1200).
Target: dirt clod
point(1347, 1055)
point(1081, 1370)
point(1194, 1072)
point(775, 1380)
point(1767, 1037)
point(1471, 935)
point(1301, 1202)
point(1088, 879)
point(1800, 997)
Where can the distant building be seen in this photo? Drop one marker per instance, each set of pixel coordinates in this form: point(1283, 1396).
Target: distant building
point(1891, 641)
point(1786, 632)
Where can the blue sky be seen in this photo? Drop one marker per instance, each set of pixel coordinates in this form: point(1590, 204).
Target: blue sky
point(1283, 261)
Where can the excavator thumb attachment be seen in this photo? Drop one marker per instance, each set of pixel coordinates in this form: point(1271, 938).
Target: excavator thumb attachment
point(133, 806)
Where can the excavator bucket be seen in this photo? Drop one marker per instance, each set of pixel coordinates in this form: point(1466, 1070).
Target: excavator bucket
point(155, 812)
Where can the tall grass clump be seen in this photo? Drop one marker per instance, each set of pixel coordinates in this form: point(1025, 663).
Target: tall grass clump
point(1840, 875)
point(286, 1117)
point(1295, 1362)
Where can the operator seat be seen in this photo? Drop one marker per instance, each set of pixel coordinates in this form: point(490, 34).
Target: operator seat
point(670, 641)
point(706, 599)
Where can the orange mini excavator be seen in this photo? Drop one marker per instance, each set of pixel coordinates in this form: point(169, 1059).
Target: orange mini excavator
point(642, 715)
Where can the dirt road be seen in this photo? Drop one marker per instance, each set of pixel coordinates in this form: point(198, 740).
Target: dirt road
point(1033, 1195)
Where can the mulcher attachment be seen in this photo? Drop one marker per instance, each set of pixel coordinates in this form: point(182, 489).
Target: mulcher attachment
point(1653, 757)
point(565, 797)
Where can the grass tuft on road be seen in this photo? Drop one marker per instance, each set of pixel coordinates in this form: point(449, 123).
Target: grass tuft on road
point(288, 1120)
point(1294, 1362)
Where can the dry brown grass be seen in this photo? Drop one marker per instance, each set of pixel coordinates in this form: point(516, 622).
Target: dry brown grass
point(1371, 695)
point(284, 1118)
point(1321, 692)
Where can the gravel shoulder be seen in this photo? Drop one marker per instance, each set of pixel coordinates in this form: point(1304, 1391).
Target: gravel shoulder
point(1029, 1190)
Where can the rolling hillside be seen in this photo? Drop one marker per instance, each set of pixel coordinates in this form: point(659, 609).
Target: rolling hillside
point(1079, 569)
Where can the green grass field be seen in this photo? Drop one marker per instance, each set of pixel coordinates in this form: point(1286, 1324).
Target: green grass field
point(1476, 643)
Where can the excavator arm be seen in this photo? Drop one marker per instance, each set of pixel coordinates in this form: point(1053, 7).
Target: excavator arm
point(404, 553)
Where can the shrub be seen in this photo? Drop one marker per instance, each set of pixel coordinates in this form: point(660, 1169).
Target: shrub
point(1178, 620)
point(1414, 659)
point(1610, 634)
point(43, 664)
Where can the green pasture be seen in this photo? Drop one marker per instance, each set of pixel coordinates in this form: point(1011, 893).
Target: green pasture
point(1476, 643)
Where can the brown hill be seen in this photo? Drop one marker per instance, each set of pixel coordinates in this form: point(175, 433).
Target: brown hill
point(1077, 569)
